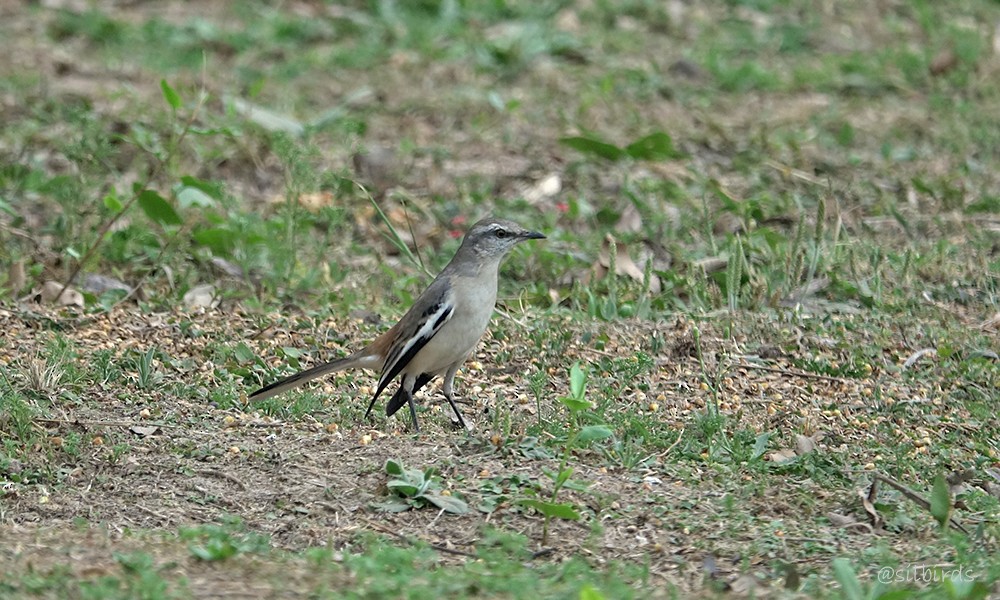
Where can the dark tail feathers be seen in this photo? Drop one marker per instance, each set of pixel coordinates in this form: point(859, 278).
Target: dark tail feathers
point(400, 398)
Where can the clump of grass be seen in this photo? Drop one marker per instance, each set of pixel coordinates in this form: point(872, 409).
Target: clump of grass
point(42, 377)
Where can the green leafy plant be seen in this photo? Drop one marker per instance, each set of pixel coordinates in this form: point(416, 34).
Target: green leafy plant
point(735, 269)
point(580, 436)
point(141, 577)
point(500, 491)
point(414, 488)
point(146, 374)
point(156, 208)
point(219, 542)
point(397, 239)
point(589, 592)
point(655, 146)
point(848, 579)
point(941, 503)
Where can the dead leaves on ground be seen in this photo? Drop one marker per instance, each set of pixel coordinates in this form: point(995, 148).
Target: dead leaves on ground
point(803, 445)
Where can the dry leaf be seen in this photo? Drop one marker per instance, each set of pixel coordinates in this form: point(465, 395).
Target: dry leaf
point(727, 223)
point(803, 444)
point(227, 268)
point(710, 265)
point(839, 520)
point(782, 456)
point(144, 430)
point(992, 324)
point(312, 201)
point(624, 265)
point(266, 118)
point(52, 291)
point(992, 489)
point(994, 473)
point(630, 220)
point(813, 287)
point(867, 499)
point(847, 522)
point(567, 20)
point(98, 284)
point(201, 296)
point(945, 61)
point(745, 585)
point(315, 200)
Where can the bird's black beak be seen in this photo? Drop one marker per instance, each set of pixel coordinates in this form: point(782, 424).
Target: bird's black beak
point(533, 235)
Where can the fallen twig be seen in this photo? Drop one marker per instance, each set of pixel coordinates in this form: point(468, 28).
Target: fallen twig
point(101, 423)
point(222, 475)
point(912, 495)
point(152, 512)
point(673, 445)
point(803, 374)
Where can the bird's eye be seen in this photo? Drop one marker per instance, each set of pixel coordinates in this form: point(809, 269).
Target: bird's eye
point(501, 233)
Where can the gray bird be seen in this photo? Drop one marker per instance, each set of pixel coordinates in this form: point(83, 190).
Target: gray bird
point(441, 329)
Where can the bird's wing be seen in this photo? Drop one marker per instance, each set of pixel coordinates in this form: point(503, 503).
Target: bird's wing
point(424, 320)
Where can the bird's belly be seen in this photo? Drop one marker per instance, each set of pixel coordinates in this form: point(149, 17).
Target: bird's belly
point(453, 344)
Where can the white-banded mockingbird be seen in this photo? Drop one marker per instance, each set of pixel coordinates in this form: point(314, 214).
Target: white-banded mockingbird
point(441, 329)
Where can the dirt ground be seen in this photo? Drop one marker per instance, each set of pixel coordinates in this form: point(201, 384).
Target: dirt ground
point(149, 460)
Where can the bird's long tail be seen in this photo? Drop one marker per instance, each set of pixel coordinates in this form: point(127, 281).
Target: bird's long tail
point(348, 362)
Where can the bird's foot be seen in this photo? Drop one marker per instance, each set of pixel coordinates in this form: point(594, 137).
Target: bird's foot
point(465, 424)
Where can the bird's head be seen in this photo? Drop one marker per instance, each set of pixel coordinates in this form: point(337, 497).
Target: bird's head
point(494, 238)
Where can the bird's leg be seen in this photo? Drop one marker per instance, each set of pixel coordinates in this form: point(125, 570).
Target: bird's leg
point(413, 410)
point(370, 405)
point(407, 385)
point(449, 381)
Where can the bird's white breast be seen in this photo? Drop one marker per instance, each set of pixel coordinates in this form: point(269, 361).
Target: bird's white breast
point(459, 336)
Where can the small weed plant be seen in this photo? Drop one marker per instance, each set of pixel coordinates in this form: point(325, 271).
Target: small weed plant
point(414, 488)
point(580, 436)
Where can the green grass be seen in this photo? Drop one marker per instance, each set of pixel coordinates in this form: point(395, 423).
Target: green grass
point(368, 566)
